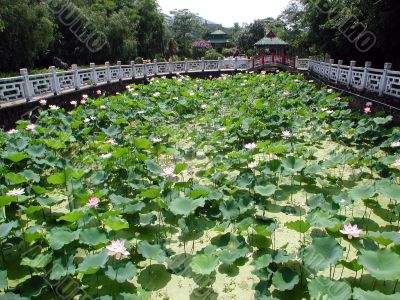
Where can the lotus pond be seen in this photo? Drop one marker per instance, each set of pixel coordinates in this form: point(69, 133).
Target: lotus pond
point(242, 187)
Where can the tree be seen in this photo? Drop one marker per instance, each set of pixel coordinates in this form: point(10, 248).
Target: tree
point(26, 30)
point(184, 26)
point(250, 35)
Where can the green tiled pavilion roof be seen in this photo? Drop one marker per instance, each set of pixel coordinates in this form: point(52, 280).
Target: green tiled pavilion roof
point(275, 41)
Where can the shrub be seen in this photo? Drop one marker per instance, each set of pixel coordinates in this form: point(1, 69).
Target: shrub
point(212, 55)
point(227, 52)
point(138, 60)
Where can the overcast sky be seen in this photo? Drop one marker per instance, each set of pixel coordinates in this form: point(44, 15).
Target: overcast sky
point(226, 12)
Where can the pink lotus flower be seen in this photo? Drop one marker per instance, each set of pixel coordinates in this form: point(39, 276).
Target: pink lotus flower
point(112, 142)
point(31, 127)
point(397, 163)
point(93, 202)
point(367, 110)
point(98, 92)
point(286, 134)
point(351, 231)
point(117, 249)
point(168, 171)
point(83, 101)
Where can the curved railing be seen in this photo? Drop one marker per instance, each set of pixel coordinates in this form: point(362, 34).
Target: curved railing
point(30, 87)
point(381, 81)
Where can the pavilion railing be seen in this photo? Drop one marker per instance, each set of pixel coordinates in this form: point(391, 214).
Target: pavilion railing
point(28, 87)
point(381, 81)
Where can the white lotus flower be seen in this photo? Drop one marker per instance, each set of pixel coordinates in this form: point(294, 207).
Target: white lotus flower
point(105, 156)
point(16, 192)
point(12, 131)
point(204, 106)
point(396, 144)
point(156, 140)
point(86, 120)
point(252, 165)
point(43, 102)
point(157, 94)
point(351, 231)
point(250, 146)
point(54, 107)
point(73, 102)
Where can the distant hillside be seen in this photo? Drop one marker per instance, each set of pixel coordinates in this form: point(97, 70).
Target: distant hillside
point(209, 24)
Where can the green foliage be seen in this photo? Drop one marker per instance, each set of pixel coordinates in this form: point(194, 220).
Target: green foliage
point(212, 55)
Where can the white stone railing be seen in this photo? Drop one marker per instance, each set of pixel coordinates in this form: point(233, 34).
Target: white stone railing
point(382, 81)
point(31, 87)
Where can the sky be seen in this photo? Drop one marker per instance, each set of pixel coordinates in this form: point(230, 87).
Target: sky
point(226, 12)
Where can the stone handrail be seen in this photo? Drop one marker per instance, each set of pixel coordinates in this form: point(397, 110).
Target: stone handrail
point(381, 81)
point(32, 87)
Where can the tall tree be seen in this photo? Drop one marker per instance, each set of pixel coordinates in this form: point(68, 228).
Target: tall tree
point(26, 30)
point(185, 24)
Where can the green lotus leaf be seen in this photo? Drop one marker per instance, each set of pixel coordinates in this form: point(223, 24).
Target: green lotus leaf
point(153, 252)
point(266, 191)
point(59, 237)
point(119, 200)
point(6, 200)
point(362, 192)
point(153, 167)
point(179, 168)
point(204, 264)
point(116, 223)
point(352, 265)
point(262, 261)
point(98, 177)
point(92, 263)
point(16, 178)
point(93, 237)
point(154, 277)
point(30, 175)
point(36, 150)
point(299, 226)
point(72, 217)
point(229, 209)
point(322, 287)
point(6, 228)
point(33, 286)
point(388, 189)
point(382, 264)
point(142, 143)
point(58, 178)
point(111, 131)
point(151, 193)
point(293, 164)
point(62, 266)
point(12, 296)
point(185, 206)
point(3, 280)
point(40, 261)
point(15, 156)
point(285, 279)
point(360, 294)
point(32, 209)
point(322, 253)
point(121, 272)
point(125, 296)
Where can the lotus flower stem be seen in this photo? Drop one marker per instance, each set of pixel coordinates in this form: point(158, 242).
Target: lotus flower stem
point(395, 286)
point(347, 256)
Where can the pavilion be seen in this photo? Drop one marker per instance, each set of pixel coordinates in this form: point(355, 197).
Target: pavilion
point(219, 40)
point(271, 44)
